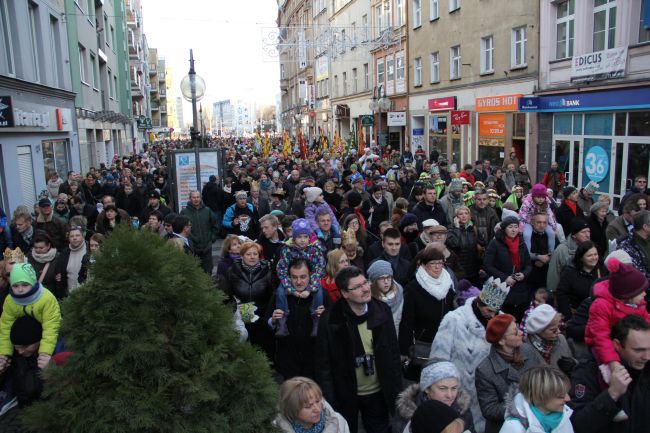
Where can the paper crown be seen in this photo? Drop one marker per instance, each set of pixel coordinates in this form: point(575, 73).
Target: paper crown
point(348, 236)
point(494, 293)
point(14, 256)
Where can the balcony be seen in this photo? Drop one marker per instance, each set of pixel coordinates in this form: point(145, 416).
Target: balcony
point(163, 92)
point(163, 108)
point(155, 106)
point(154, 88)
point(153, 69)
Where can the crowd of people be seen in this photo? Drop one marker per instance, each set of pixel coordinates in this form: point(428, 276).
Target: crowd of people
point(386, 288)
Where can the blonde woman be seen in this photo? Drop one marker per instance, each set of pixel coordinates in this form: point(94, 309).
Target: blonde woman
point(336, 260)
point(303, 409)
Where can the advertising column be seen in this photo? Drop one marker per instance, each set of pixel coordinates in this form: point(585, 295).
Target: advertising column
point(496, 127)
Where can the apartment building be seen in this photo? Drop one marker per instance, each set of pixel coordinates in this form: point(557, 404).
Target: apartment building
point(593, 101)
point(322, 108)
point(469, 62)
point(138, 74)
point(37, 100)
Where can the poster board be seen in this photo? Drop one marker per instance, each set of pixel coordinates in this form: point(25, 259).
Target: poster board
point(184, 172)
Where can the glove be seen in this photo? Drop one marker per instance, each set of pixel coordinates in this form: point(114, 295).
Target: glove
point(567, 364)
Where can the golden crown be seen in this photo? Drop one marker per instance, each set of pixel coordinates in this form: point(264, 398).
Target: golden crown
point(14, 256)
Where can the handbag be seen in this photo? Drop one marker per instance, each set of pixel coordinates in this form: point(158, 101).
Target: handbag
point(419, 353)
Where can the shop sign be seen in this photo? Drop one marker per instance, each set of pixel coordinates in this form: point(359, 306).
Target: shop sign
point(396, 118)
point(442, 104)
point(367, 120)
point(625, 99)
point(460, 117)
point(596, 163)
point(418, 131)
point(492, 125)
point(6, 112)
point(106, 135)
point(599, 65)
point(322, 68)
point(497, 103)
point(342, 112)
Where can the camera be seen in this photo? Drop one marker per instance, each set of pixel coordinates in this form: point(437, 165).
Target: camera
point(368, 362)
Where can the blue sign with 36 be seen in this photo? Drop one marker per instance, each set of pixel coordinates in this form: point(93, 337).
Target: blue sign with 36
point(596, 163)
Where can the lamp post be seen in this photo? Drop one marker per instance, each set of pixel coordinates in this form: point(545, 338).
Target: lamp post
point(378, 103)
point(193, 89)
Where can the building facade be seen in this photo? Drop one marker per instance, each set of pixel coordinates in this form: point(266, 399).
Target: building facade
point(37, 100)
point(593, 101)
point(223, 118)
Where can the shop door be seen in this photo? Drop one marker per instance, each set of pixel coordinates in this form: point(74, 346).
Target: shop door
point(568, 154)
point(634, 161)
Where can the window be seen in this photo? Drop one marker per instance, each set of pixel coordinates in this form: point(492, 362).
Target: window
point(487, 55)
point(435, 67)
point(380, 72)
point(454, 5)
point(518, 54)
point(364, 25)
point(399, 13)
point(644, 34)
point(355, 77)
point(343, 41)
point(379, 20)
point(604, 24)
point(6, 39)
point(564, 29)
point(105, 29)
point(282, 77)
point(111, 90)
point(83, 65)
point(401, 70)
point(115, 88)
point(55, 51)
point(434, 9)
point(93, 62)
point(454, 62)
point(417, 13)
point(390, 71)
point(91, 11)
point(353, 35)
point(366, 77)
point(35, 40)
point(335, 91)
point(55, 157)
point(417, 75)
point(387, 20)
point(345, 83)
point(113, 37)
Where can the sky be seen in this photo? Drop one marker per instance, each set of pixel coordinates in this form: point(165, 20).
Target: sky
point(226, 36)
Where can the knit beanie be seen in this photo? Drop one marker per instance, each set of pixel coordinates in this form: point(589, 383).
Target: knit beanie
point(312, 193)
point(456, 185)
point(240, 194)
point(379, 268)
point(567, 191)
point(597, 206)
point(620, 255)
point(538, 190)
point(25, 331)
point(625, 281)
point(407, 220)
point(540, 318)
point(497, 326)
point(432, 416)
point(354, 199)
point(578, 225)
point(300, 227)
point(508, 221)
point(22, 273)
point(436, 372)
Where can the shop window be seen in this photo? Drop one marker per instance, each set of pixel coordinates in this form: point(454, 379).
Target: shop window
point(577, 124)
point(438, 132)
point(562, 124)
point(619, 123)
point(639, 123)
point(644, 33)
point(519, 121)
point(562, 155)
point(598, 124)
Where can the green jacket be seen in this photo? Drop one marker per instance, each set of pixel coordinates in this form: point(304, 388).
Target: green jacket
point(204, 227)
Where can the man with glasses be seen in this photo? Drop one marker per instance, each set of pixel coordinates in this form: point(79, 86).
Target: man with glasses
point(357, 356)
point(640, 186)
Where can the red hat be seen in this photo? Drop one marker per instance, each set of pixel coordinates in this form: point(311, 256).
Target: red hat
point(625, 281)
point(497, 326)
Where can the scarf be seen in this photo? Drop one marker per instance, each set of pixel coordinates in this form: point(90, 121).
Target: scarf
point(30, 297)
point(74, 265)
point(478, 314)
point(516, 359)
point(424, 238)
point(549, 421)
point(571, 205)
point(316, 428)
point(394, 298)
point(28, 234)
point(354, 322)
point(228, 189)
point(436, 287)
point(513, 249)
point(543, 346)
point(46, 257)
point(251, 269)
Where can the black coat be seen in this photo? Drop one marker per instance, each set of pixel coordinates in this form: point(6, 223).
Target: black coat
point(213, 196)
point(131, 203)
point(380, 213)
point(19, 241)
point(575, 286)
point(335, 371)
point(564, 215)
point(424, 212)
point(376, 249)
point(422, 314)
point(462, 241)
point(598, 235)
point(497, 263)
point(256, 286)
point(401, 271)
point(64, 258)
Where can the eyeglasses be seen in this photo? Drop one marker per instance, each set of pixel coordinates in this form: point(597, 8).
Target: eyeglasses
point(366, 283)
point(385, 278)
point(436, 263)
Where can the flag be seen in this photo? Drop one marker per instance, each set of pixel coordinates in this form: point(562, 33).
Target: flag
point(267, 145)
point(258, 142)
point(286, 147)
point(362, 143)
point(302, 144)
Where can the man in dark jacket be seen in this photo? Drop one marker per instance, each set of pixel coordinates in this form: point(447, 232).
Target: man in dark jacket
point(624, 405)
point(212, 195)
point(484, 218)
point(428, 208)
point(271, 239)
point(154, 204)
point(204, 230)
point(53, 226)
point(22, 232)
point(375, 209)
point(392, 245)
point(357, 356)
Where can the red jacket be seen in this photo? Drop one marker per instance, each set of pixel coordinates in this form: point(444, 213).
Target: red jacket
point(331, 289)
point(604, 313)
point(467, 177)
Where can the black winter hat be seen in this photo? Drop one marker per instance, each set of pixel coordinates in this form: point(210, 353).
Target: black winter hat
point(354, 199)
point(432, 416)
point(25, 331)
point(578, 225)
point(170, 218)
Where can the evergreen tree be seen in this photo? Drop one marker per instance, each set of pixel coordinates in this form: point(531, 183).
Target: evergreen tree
point(154, 351)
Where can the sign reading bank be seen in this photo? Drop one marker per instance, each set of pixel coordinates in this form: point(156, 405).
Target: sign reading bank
point(625, 99)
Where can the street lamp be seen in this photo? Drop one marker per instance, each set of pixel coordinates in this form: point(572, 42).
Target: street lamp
point(193, 89)
point(378, 103)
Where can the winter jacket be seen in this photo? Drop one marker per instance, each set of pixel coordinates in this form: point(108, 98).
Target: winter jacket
point(633, 245)
point(64, 258)
point(131, 203)
point(599, 234)
point(334, 422)
point(555, 180)
point(462, 241)
point(54, 227)
point(424, 212)
point(144, 215)
point(204, 228)
point(495, 377)
point(484, 220)
point(313, 253)
point(234, 211)
point(575, 286)
point(422, 313)
point(409, 400)
point(449, 205)
point(521, 419)
point(45, 310)
point(604, 313)
point(401, 267)
point(213, 196)
point(335, 371)
point(564, 215)
point(617, 229)
point(498, 263)
point(461, 340)
point(271, 249)
point(560, 350)
point(529, 208)
point(593, 408)
point(263, 206)
point(102, 226)
point(373, 219)
point(562, 256)
point(58, 288)
point(256, 286)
